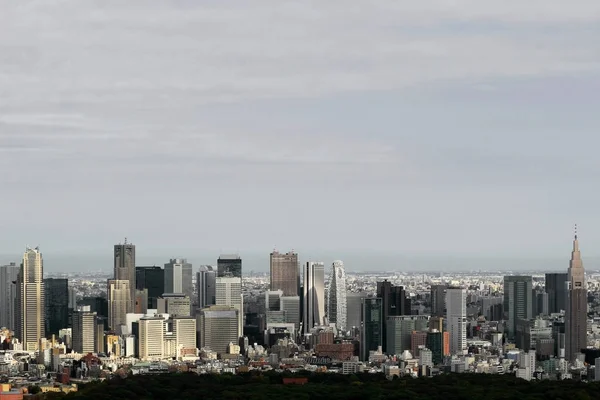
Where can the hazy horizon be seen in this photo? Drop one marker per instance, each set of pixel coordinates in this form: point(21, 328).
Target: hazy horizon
point(436, 128)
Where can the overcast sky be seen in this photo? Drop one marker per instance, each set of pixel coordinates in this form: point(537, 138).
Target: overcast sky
point(465, 127)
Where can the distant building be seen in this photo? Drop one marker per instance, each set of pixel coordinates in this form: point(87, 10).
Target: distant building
point(518, 301)
point(56, 305)
point(31, 299)
point(152, 279)
point(8, 295)
point(174, 304)
point(184, 330)
point(400, 329)
point(152, 338)
point(336, 296)
point(394, 302)
point(178, 277)
point(124, 270)
point(217, 327)
point(85, 329)
point(285, 272)
point(313, 295)
point(206, 282)
point(229, 293)
point(229, 266)
point(371, 326)
point(118, 303)
point(576, 313)
point(556, 287)
point(438, 300)
point(456, 317)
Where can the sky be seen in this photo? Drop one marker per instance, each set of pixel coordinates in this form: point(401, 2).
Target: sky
point(464, 128)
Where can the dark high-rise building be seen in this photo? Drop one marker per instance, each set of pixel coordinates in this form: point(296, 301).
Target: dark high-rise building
point(125, 268)
point(394, 302)
point(99, 305)
point(435, 343)
point(56, 305)
point(8, 295)
point(178, 277)
point(152, 279)
point(518, 301)
point(285, 273)
point(438, 300)
point(229, 266)
point(371, 326)
point(556, 287)
point(576, 313)
point(206, 282)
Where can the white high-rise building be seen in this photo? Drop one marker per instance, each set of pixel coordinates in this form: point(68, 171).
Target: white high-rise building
point(118, 303)
point(336, 296)
point(184, 330)
point(456, 318)
point(31, 299)
point(229, 293)
point(152, 338)
point(314, 295)
point(84, 330)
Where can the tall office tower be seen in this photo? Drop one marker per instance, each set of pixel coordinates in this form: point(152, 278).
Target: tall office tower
point(291, 306)
point(456, 317)
point(229, 293)
point(31, 299)
point(184, 330)
point(576, 313)
point(400, 329)
point(152, 338)
point(178, 277)
point(518, 301)
point(438, 300)
point(125, 269)
point(336, 296)
point(273, 300)
point(556, 287)
point(85, 328)
point(229, 266)
point(353, 307)
point(175, 304)
point(99, 305)
point(217, 327)
point(313, 295)
point(206, 281)
point(56, 305)
point(153, 279)
point(394, 301)
point(371, 333)
point(8, 295)
point(285, 272)
point(141, 301)
point(118, 303)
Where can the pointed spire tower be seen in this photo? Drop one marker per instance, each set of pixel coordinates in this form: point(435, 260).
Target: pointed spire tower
point(576, 313)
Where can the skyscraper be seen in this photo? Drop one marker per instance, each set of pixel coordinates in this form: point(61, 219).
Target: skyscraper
point(394, 302)
point(125, 269)
point(556, 287)
point(438, 300)
point(217, 327)
point(229, 293)
point(353, 309)
point(576, 313)
point(314, 295)
point(152, 279)
point(400, 329)
point(56, 305)
point(118, 303)
point(456, 317)
point(336, 296)
point(31, 299)
point(518, 301)
point(8, 295)
point(285, 274)
point(371, 332)
point(85, 331)
point(178, 277)
point(206, 281)
point(229, 266)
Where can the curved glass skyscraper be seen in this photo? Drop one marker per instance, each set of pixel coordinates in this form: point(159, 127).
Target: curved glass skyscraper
point(336, 296)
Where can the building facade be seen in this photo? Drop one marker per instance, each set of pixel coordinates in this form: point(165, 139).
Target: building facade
point(518, 301)
point(371, 326)
point(336, 296)
point(576, 313)
point(178, 277)
point(85, 329)
point(229, 293)
point(56, 305)
point(8, 295)
point(218, 327)
point(556, 287)
point(206, 283)
point(394, 301)
point(313, 295)
point(31, 308)
point(456, 319)
point(285, 274)
point(118, 303)
point(152, 279)
point(229, 266)
point(124, 269)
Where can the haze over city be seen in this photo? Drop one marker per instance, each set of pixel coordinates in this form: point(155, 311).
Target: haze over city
point(455, 135)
